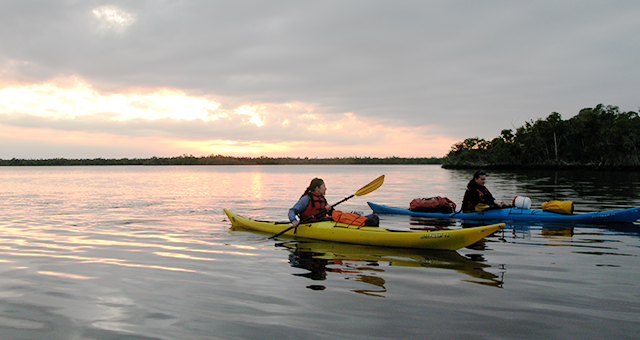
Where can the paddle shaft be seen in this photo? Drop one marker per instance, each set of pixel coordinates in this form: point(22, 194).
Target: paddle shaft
point(309, 218)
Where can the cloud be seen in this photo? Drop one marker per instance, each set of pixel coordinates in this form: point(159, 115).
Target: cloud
point(113, 18)
point(68, 111)
point(71, 104)
point(447, 69)
point(71, 97)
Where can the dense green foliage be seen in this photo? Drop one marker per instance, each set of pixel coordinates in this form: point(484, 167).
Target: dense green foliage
point(218, 160)
point(600, 137)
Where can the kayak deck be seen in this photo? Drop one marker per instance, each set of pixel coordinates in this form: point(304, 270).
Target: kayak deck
point(516, 214)
point(375, 236)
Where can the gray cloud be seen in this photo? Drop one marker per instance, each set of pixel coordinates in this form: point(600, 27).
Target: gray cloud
point(471, 68)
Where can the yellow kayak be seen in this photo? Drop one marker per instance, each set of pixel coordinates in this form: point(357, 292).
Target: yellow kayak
point(373, 236)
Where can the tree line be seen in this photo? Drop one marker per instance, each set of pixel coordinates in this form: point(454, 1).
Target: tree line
point(218, 160)
point(599, 137)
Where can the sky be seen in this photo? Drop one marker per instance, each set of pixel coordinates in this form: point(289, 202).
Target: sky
point(138, 79)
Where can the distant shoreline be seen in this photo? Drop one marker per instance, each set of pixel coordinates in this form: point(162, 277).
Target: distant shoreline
point(229, 160)
point(218, 160)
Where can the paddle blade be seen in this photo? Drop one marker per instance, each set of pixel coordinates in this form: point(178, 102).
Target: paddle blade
point(375, 184)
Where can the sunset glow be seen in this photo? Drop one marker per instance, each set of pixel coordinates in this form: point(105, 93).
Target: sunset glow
point(252, 112)
point(97, 119)
point(71, 97)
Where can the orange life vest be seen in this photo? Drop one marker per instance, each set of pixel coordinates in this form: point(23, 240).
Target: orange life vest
point(316, 204)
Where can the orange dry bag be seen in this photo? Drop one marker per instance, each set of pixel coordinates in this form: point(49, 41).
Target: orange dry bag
point(348, 218)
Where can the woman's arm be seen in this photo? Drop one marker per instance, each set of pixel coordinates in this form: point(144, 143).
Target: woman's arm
point(297, 209)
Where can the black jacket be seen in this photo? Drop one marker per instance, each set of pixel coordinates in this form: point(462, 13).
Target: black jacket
point(476, 194)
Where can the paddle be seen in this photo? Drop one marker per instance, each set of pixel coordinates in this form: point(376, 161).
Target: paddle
point(375, 184)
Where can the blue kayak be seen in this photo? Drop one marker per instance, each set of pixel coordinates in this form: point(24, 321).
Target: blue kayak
point(516, 214)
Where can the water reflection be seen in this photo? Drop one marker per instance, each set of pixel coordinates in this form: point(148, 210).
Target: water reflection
point(256, 186)
point(144, 252)
point(366, 263)
point(628, 229)
point(552, 230)
point(557, 232)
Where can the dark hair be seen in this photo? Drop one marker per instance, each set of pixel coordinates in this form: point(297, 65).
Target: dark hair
point(316, 182)
point(478, 173)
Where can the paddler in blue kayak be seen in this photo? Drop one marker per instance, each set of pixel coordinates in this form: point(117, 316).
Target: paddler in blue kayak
point(312, 202)
point(477, 197)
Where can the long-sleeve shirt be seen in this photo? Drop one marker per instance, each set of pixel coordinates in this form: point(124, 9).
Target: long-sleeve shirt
point(298, 208)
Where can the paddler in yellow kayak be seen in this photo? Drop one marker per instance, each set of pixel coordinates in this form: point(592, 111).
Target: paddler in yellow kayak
point(313, 207)
point(311, 203)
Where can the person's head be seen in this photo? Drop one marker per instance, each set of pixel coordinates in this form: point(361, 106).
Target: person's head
point(317, 186)
point(480, 177)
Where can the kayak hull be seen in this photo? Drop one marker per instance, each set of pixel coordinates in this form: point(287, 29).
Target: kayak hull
point(374, 236)
point(516, 214)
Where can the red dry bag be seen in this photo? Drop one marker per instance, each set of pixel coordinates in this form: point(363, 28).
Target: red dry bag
point(433, 204)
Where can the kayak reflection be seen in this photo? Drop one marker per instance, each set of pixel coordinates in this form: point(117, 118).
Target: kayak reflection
point(556, 230)
point(365, 263)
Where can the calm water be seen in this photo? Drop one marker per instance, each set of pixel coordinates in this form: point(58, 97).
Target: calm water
point(146, 253)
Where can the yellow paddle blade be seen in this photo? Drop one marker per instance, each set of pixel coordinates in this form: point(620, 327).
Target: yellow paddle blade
point(375, 184)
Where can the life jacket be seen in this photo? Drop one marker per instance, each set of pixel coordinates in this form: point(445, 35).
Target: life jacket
point(316, 205)
point(348, 218)
point(482, 192)
point(467, 205)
